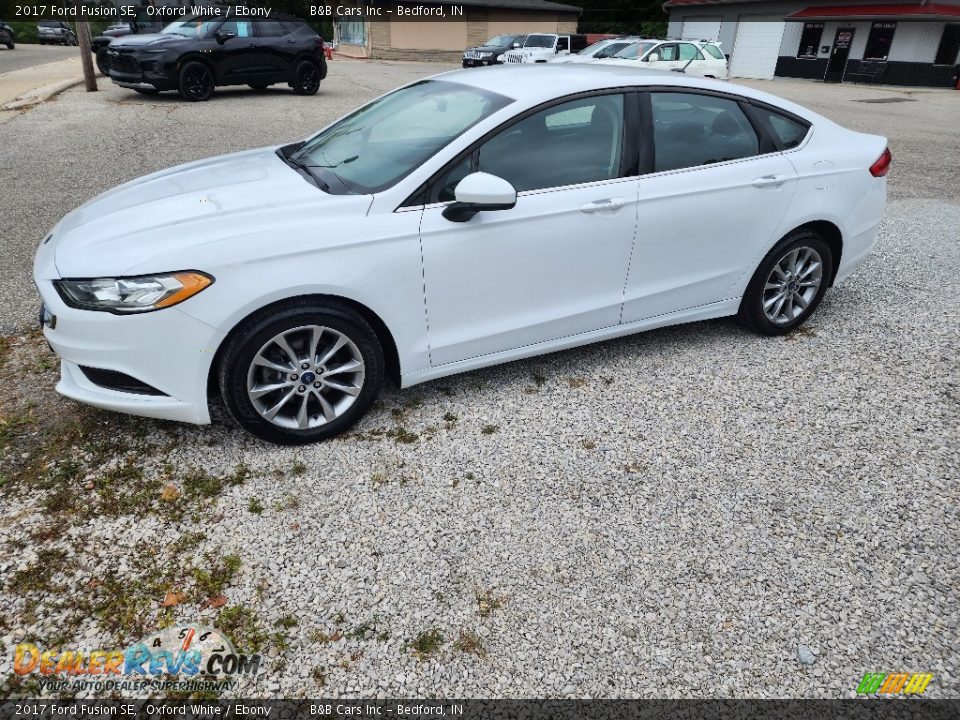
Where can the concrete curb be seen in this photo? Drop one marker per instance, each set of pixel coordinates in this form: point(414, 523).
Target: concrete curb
point(42, 94)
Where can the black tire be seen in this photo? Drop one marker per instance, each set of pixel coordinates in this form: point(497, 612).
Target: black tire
point(752, 313)
point(251, 336)
point(306, 78)
point(10, 45)
point(196, 82)
point(146, 91)
point(258, 86)
point(103, 64)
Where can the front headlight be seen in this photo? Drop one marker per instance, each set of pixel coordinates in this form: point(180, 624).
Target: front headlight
point(134, 294)
point(486, 54)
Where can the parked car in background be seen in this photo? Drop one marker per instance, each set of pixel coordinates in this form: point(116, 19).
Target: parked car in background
point(490, 52)
point(6, 35)
point(698, 57)
point(55, 32)
point(98, 45)
point(196, 55)
point(599, 50)
point(542, 47)
point(462, 221)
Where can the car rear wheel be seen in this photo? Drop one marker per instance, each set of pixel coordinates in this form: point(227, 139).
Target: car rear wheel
point(196, 82)
point(301, 373)
point(788, 285)
point(306, 79)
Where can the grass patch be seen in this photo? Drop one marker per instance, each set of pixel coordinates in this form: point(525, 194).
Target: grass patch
point(255, 506)
point(211, 581)
point(241, 625)
point(426, 643)
point(489, 429)
point(471, 644)
point(487, 602)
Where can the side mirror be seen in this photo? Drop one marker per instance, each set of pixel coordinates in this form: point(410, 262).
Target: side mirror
point(222, 37)
point(653, 57)
point(480, 191)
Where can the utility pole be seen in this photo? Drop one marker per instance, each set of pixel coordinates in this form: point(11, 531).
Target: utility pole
point(86, 59)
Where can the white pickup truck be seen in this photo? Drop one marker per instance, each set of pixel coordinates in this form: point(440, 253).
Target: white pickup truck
point(542, 47)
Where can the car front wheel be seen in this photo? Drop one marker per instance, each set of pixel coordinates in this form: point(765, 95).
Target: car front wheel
point(103, 63)
point(196, 82)
point(301, 373)
point(789, 284)
point(306, 79)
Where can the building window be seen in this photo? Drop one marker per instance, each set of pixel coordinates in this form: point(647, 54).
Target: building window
point(810, 40)
point(352, 32)
point(878, 44)
point(949, 45)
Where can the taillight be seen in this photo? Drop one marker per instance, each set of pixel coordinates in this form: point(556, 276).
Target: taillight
point(882, 166)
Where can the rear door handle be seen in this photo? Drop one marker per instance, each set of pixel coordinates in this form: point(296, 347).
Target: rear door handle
point(603, 205)
point(770, 180)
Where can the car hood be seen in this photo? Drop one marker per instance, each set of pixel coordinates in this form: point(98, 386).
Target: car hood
point(151, 39)
point(181, 208)
point(489, 48)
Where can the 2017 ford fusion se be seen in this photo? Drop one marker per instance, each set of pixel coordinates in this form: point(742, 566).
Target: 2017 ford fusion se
point(468, 219)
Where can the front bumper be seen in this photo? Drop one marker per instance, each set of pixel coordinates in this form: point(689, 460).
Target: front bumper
point(474, 62)
point(166, 349)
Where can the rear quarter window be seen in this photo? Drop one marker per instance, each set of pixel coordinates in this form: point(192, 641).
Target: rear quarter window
point(713, 50)
point(788, 131)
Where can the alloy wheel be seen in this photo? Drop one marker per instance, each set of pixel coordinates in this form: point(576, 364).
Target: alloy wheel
point(305, 377)
point(197, 82)
point(308, 77)
point(792, 285)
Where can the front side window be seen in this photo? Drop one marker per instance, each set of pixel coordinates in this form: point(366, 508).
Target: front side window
point(879, 41)
point(635, 50)
point(667, 53)
point(563, 44)
point(810, 40)
point(384, 141)
point(240, 28)
point(691, 130)
point(574, 142)
point(540, 41)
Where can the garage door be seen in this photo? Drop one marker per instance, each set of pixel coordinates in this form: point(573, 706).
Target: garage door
point(757, 46)
point(701, 28)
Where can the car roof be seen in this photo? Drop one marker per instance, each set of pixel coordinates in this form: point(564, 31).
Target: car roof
point(537, 83)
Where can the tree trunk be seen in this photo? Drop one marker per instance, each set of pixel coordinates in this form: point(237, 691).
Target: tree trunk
point(86, 59)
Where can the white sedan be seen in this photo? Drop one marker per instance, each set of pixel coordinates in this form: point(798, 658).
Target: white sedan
point(468, 219)
point(692, 57)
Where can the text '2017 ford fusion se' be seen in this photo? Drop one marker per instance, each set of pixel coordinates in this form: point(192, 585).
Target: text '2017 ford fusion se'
point(469, 219)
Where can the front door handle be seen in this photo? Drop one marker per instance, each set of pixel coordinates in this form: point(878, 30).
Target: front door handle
point(770, 180)
point(603, 205)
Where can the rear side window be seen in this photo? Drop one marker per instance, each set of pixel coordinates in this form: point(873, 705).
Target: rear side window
point(789, 132)
point(270, 28)
point(714, 50)
point(689, 52)
point(691, 130)
point(668, 53)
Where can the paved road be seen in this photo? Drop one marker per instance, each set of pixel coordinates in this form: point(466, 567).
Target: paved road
point(25, 56)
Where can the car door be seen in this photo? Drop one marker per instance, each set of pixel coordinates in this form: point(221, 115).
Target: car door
point(690, 59)
point(667, 53)
point(555, 264)
point(274, 50)
point(238, 60)
point(711, 207)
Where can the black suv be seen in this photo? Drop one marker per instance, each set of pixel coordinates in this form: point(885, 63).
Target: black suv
point(6, 35)
point(98, 45)
point(196, 54)
point(493, 48)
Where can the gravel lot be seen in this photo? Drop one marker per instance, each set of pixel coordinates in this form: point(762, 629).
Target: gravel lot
point(690, 512)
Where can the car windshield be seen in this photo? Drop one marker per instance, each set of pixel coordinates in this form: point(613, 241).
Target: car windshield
point(501, 41)
point(192, 27)
point(636, 50)
point(384, 141)
point(543, 41)
point(590, 49)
